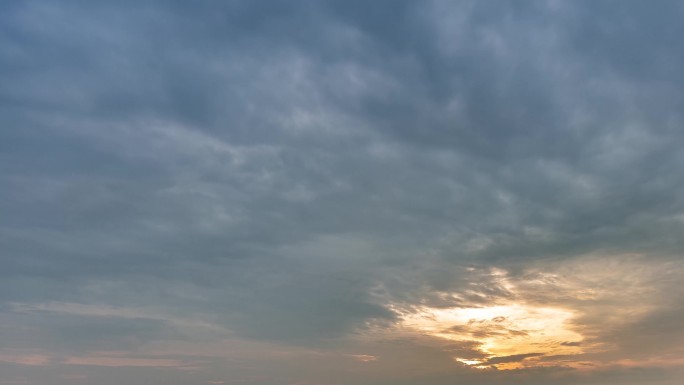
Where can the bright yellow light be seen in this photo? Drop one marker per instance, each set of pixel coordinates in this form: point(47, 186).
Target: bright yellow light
point(468, 362)
point(501, 331)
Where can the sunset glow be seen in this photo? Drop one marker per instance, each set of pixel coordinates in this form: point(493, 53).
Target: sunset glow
point(501, 330)
point(342, 192)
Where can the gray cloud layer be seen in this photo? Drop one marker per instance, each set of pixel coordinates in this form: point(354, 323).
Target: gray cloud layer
point(278, 170)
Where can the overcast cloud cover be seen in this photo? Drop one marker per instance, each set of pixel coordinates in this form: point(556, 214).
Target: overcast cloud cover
point(303, 192)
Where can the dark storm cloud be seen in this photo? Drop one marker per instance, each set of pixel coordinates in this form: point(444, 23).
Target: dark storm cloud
point(281, 168)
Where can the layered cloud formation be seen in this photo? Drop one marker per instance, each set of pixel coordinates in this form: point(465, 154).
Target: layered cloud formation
point(341, 192)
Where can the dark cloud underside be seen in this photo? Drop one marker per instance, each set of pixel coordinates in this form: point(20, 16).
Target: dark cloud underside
point(278, 172)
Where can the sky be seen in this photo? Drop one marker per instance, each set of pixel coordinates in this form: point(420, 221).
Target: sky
point(341, 192)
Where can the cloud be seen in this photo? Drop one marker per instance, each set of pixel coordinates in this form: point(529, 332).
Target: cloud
point(25, 359)
point(512, 358)
point(571, 343)
point(305, 176)
point(123, 361)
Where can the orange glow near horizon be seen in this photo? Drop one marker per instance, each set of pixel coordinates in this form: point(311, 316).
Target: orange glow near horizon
point(507, 336)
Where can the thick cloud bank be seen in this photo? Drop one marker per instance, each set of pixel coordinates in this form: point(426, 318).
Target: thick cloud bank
point(341, 192)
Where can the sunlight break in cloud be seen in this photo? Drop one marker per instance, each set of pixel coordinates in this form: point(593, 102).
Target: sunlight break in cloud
point(501, 331)
point(342, 192)
point(549, 317)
